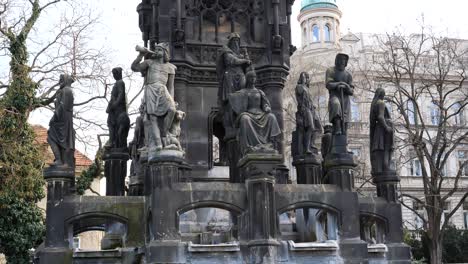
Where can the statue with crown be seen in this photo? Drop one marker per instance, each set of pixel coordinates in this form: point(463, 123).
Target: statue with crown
point(160, 114)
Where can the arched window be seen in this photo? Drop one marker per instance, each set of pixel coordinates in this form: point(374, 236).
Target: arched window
point(327, 33)
point(315, 33)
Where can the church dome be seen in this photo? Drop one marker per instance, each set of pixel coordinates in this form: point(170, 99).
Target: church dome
point(311, 4)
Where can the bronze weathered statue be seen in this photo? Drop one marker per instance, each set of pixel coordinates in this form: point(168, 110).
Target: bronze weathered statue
point(117, 120)
point(339, 83)
point(137, 143)
point(159, 86)
point(257, 126)
point(231, 67)
point(381, 134)
point(307, 122)
point(61, 135)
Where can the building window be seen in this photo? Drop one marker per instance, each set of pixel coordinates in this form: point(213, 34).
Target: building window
point(327, 33)
point(462, 157)
point(355, 113)
point(415, 168)
point(459, 115)
point(410, 111)
point(419, 208)
point(435, 113)
point(315, 33)
point(465, 214)
point(76, 243)
point(446, 212)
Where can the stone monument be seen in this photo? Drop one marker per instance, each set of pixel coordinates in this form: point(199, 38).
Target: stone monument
point(308, 127)
point(234, 93)
point(381, 138)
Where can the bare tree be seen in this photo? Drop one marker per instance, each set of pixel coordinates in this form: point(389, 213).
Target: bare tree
point(425, 78)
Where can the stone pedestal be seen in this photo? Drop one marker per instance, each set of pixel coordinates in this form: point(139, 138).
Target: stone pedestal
point(308, 168)
point(259, 171)
point(115, 171)
point(60, 183)
point(387, 185)
point(165, 245)
point(339, 164)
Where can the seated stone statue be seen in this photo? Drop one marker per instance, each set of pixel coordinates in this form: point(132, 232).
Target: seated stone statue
point(172, 137)
point(61, 135)
point(257, 126)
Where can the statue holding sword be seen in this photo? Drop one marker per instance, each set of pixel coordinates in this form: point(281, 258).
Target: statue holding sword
point(339, 83)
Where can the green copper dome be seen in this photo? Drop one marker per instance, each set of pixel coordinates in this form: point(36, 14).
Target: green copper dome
point(310, 4)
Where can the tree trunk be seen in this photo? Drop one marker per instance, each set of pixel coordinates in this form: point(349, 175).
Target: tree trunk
point(435, 248)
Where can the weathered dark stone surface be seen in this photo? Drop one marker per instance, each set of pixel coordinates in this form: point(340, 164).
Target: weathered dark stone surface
point(61, 134)
point(152, 223)
point(117, 120)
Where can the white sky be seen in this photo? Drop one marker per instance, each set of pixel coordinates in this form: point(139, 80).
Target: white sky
point(120, 25)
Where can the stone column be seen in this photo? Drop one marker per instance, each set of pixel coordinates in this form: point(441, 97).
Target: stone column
point(259, 171)
point(387, 185)
point(308, 168)
point(60, 183)
point(165, 243)
point(115, 171)
point(339, 164)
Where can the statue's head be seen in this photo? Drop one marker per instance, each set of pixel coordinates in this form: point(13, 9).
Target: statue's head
point(234, 41)
point(341, 61)
point(161, 51)
point(66, 80)
point(117, 73)
point(380, 93)
point(304, 78)
point(327, 128)
point(250, 78)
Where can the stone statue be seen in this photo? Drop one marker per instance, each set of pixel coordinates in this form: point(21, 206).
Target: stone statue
point(61, 135)
point(172, 138)
point(257, 126)
point(381, 134)
point(339, 83)
point(137, 143)
point(231, 67)
point(326, 140)
point(307, 122)
point(158, 102)
point(117, 120)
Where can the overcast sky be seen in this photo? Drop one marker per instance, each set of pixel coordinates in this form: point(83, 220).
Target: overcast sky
point(120, 29)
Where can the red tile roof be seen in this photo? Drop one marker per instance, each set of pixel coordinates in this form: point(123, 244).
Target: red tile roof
point(41, 138)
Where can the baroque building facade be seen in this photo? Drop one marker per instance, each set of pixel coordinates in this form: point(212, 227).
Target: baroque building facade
point(321, 41)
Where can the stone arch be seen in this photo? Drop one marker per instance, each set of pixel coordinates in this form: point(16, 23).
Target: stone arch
point(373, 227)
point(91, 221)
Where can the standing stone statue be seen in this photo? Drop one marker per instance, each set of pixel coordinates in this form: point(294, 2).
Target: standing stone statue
point(61, 135)
point(339, 83)
point(160, 107)
point(137, 143)
point(381, 134)
point(117, 120)
point(231, 67)
point(307, 122)
point(257, 126)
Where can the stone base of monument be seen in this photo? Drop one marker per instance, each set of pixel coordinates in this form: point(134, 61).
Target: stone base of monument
point(398, 253)
point(166, 251)
point(136, 185)
point(263, 251)
point(339, 164)
point(165, 168)
point(308, 168)
point(56, 256)
point(387, 185)
point(115, 169)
